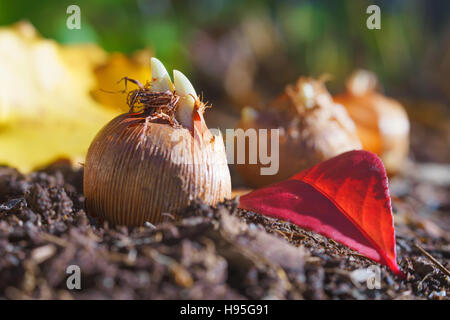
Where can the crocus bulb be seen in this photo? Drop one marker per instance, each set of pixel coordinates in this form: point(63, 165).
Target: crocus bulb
point(381, 122)
point(312, 128)
point(157, 157)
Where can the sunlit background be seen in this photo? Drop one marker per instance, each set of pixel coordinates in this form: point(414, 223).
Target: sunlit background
point(310, 37)
point(240, 53)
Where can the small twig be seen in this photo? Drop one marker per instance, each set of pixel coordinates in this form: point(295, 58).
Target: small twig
point(432, 259)
point(150, 225)
point(420, 284)
point(53, 239)
point(282, 234)
point(168, 215)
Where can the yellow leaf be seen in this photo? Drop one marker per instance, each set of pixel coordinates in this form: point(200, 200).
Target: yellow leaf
point(47, 109)
point(109, 88)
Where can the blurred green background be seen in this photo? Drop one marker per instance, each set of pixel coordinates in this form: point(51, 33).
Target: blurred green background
point(296, 37)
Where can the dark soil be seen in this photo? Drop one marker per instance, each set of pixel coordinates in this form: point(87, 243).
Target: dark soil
point(213, 253)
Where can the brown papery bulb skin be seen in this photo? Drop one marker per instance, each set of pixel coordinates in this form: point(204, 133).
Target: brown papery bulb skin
point(312, 129)
point(381, 122)
point(137, 170)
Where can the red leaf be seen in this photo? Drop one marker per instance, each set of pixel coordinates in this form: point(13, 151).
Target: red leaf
point(345, 198)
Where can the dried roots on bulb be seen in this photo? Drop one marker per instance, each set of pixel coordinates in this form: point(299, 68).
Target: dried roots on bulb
point(157, 157)
point(156, 106)
point(382, 123)
point(312, 129)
